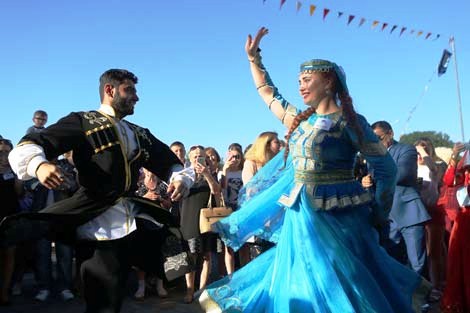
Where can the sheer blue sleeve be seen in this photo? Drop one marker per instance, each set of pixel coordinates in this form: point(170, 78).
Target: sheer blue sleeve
point(260, 214)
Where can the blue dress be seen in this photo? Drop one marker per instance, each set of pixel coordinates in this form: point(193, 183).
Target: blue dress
point(327, 257)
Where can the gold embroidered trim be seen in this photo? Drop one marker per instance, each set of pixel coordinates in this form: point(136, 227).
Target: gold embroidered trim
point(27, 142)
point(92, 118)
point(317, 177)
point(335, 202)
point(97, 129)
point(373, 149)
point(104, 147)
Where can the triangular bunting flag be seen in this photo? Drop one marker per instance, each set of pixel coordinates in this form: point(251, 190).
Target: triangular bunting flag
point(282, 3)
point(427, 35)
point(374, 24)
point(312, 9)
point(437, 36)
point(402, 30)
point(340, 14)
point(412, 32)
point(350, 18)
point(325, 13)
point(384, 25)
point(419, 33)
point(362, 21)
point(299, 5)
point(393, 28)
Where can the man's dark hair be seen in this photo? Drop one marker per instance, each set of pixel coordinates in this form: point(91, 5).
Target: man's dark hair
point(6, 142)
point(385, 126)
point(40, 112)
point(177, 143)
point(115, 77)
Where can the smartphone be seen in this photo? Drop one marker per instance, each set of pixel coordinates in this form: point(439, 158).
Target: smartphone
point(201, 160)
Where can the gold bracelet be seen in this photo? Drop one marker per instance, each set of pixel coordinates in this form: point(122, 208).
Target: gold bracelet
point(270, 103)
point(261, 86)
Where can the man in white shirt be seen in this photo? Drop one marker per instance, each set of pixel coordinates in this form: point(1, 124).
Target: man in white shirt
point(108, 152)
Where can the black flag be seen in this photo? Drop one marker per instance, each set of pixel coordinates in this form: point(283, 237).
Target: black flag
point(444, 62)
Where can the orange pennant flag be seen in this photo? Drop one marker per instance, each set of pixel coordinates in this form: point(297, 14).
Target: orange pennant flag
point(419, 33)
point(384, 25)
point(299, 5)
point(362, 21)
point(427, 35)
point(402, 30)
point(374, 24)
point(282, 3)
point(350, 18)
point(393, 28)
point(312, 9)
point(325, 13)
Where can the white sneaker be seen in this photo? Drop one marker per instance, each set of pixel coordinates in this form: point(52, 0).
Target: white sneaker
point(16, 290)
point(42, 295)
point(140, 294)
point(66, 295)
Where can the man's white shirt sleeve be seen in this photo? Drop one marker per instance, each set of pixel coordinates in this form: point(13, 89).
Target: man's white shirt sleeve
point(25, 159)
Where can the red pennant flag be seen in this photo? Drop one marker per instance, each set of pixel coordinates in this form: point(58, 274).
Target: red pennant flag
point(282, 3)
point(384, 25)
point(393, 28)
point(340, 14)
point(350, 18)
point(312, 9)
point(299, 5)
point(402, 30)
point(362, 21)
point(427, 36)
point(325, 13)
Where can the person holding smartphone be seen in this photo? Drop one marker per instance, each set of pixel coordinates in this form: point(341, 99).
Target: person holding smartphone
point(200, 245)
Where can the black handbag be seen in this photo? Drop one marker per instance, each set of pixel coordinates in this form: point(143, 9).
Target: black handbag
point(176, 255)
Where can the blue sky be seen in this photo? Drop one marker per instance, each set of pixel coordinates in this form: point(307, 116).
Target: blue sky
point(195, 85)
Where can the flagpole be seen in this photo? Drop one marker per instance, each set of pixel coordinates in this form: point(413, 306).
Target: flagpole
point(452, 44)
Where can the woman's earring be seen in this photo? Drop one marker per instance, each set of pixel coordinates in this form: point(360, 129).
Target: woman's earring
point(328, 92)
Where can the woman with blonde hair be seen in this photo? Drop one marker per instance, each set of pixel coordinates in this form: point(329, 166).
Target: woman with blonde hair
point(265, 147)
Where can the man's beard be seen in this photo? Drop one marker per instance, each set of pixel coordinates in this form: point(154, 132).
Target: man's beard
point(122, 106)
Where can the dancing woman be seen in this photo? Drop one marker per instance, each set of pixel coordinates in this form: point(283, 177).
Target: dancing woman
point(327, 257)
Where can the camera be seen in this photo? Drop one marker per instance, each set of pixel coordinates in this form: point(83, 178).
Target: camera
point(201, 160)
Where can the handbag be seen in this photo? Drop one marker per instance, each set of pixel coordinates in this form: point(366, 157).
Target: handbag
point(176, 255)
point(210, 215)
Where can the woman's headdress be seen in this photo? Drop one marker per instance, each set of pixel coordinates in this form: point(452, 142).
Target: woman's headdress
point(318, 65)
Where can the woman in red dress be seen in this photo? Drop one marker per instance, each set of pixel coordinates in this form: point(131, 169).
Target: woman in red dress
point(456, 297)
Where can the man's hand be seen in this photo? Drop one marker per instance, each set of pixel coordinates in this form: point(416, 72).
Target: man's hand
point(50, 175)
point(367, 181)
point(176, 189)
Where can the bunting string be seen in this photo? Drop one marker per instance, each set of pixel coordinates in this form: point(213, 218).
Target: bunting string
point(374, 23)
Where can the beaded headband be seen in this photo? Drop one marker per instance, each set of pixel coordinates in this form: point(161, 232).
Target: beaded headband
point(318, 65)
